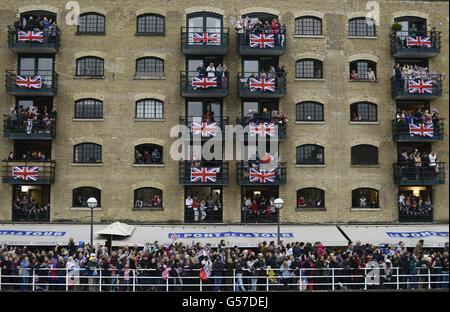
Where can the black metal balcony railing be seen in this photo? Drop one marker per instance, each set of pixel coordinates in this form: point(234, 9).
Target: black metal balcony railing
point(263, 44)
point(42, 83)
point(203, 127)
point(33, 41)
point(193, 84)
point(405, 44)
point(419, 174)
point(264, 126)
point(259, 173)
point(418, 132)
point(16, 129)
point(28, 172)
point(262, 214)
point(209, 41)
point(30, 212)
point(418, 212)
point(203, 173)
point(416, 89)
point(264, 85)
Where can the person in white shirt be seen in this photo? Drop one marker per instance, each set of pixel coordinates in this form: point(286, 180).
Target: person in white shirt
point(401, 199)
point(211, 70)
point(371, 75)
point(433, 165)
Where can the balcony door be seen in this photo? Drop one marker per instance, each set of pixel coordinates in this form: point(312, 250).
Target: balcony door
point(40, 103)
point(409, 23)
point(258, 65)
point(259, 106)
point(204, 23)
point(202, 108)
point(37, 66)
point(193, 63)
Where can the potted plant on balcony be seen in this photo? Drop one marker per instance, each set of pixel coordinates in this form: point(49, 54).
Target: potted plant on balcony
point(396, 27)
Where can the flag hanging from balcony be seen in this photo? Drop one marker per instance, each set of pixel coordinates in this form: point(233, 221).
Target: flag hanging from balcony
point(420, 86)
point(418, 41)
point(262, 41)
point(421, 130)
point(204, 82)
point(262, 84)
point(25, 173)
point(33, 36)
point(262, 129)
point(30, 82)
point(203, 175)
point(205, 37)
point(204, 129)
point(261, 176)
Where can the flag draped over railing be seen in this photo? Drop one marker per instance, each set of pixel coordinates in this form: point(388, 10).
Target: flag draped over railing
point(418, 41)
point(420, 86)
point(262, 41)
point(204, 174)
point(204, 129)
point(263, 84)
point(261, 176)
point(30, 82)
point(262, 129)
point(30, 36)
point(421, 130)
point(25, 173)
point(204, 82)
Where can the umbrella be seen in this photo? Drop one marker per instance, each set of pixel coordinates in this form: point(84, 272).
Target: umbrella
point(117, 228)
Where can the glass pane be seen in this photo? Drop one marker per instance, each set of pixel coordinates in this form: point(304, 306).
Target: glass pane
point(45, 66)
point(192, 67)
point(25, 103)
point(215, 108)
point(196, 24)
point(195, 109)
point(250, 66)
point(27, 66)
point(249, 106)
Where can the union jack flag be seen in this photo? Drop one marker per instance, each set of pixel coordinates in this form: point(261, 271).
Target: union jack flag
point(263, 84)
point(420, 86)
point(205, 37)
point(421, 130)
point(30, 82)
point(262, 129)
point(35, 36)
point(262, 176)
point(262, 41)
point(204, 129)
point(25, 173)
point(205, 82)
point(203, 175)
point(418, 41)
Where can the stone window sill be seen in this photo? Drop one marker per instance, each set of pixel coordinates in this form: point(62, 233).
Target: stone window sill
point(149, 119)
point(364, 122)
point(149, 165)
point(85, 209)
point(365, 166)
point(299, 209)
point(148, 209)
point(309, 36)
point(310, 122)
point(310, 166)
point(149, 78)
point(362, 80)
point(87, 119)
point(365, 209)
point(89, 77)
point(362, 37)
point(87, 165)
point(310, 79)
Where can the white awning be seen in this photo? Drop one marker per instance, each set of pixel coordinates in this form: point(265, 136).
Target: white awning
point(117, 228)
point(433, 235)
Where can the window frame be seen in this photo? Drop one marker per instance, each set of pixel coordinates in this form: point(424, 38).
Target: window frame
point(354, 108)
point(149, 74)
point(355, 206)
point(316, 62)
point(85, 153)
point(356, 149)
point(314, 106)
point(156, 104)
point(321, 194)
point(145, 15)
point(98, 197)
point(302, 19)
point(298, 150)
point(95, 102)
point(150, 146)
point(95, 76)
point(357, 28)
point(148, 207)
point(353, 65)
point(87, 14)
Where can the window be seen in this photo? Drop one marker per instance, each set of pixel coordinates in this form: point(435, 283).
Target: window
point(309, 111)
point(91, 23)
point(361, 68)
point(310, 198)
point(148, 197)
point(365, 198)
point(149, 109)
point(148, 154)
point(361, 27)
point(364, 155)
point(87, 153)
point(363, 111)
point(150, 24)
point(308, 69)
point(308, 26)
point(150, 67)
point(310, 154)
point(82, 194)
point(89, 109)
point(90, 66)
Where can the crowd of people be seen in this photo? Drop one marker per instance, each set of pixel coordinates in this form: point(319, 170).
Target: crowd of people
point(37, 156)
point(247, 25)
point(180, 266)
point(419, 116)
point(31, 119)
point(26, 208)
point(203, 209)
point(411, 206)
point(154, 201)
point(416, 30)
point(259, 209)
point(277, 117)
point(30, 23)
point(145, 157)
point(220, 72)
point(369, 75)
point(418, 164)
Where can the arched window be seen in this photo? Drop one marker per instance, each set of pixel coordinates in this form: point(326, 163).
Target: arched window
point(364, 154)
point(148, 154)
point(308, 26)
point(310, 154)
point(80, 196)
point(150, 67)
point(87, 153)
point(88, 109)
point(309, 69)
point(365, 198)
point(148, 197)
point(149, 109)
point(362, 68)
point(150, 24)
point(309, 111)
point(90, 66)
point(363, 111)
point(310, 197)
point(361, 27)
point(91, 23)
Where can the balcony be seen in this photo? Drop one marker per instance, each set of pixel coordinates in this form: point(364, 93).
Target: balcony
point(28, 172)
point(199, 126)
point(249, 173)
point(410, 174)
point(419, 89)
point(260, 126)
point(203, 173)
point(251, 86)
point(28, 41)
point(212, 41)
point(424, 46)
point(17, 129)
point(403, 132)
point(193, 85)
point(43, 84)
point(261, 44)
point(417, 213)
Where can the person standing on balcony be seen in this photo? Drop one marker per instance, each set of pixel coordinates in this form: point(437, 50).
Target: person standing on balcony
point(433, 164)
point(219, 74)
point(201, 70)
point(211, 70)
point(31, 115)
point(195, 208)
